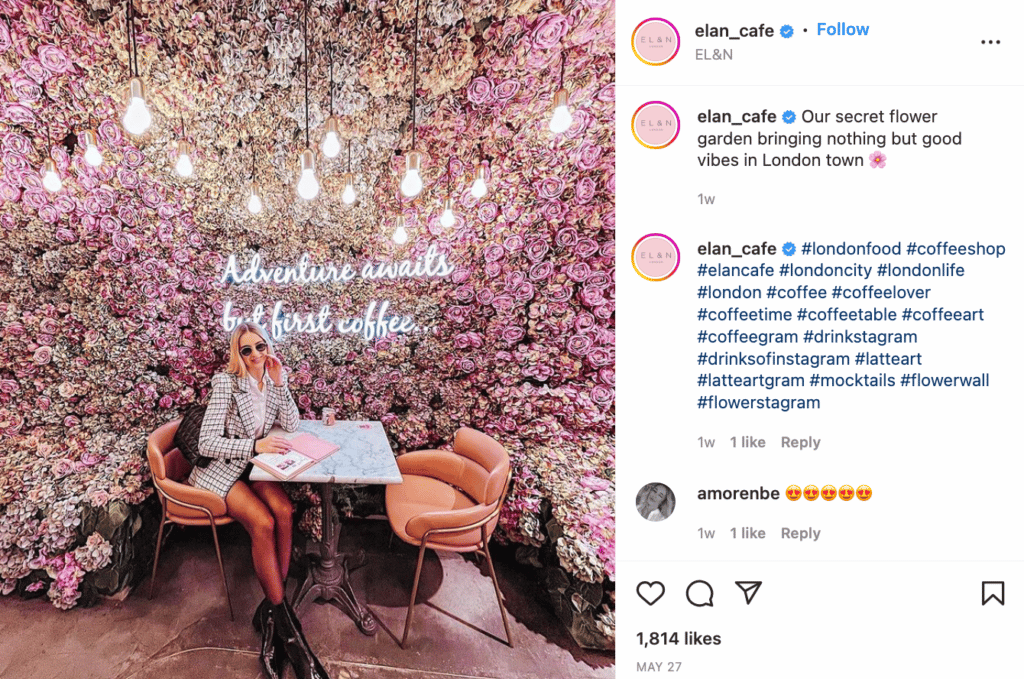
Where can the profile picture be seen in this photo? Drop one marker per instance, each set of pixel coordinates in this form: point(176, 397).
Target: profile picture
point(655, 502)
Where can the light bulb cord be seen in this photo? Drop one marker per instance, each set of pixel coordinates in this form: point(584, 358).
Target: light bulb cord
point(133, 46)
point(305, 55)
point(415, 50)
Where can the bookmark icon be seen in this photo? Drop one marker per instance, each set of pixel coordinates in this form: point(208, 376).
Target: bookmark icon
point(749, 588)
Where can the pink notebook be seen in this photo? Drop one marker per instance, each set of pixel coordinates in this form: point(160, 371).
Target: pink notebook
point(312, 447)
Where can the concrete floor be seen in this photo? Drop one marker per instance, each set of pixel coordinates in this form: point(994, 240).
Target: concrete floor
point(185, 630)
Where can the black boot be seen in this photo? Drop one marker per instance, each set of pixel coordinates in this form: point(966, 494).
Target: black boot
point(272, 653)
point(289, 630)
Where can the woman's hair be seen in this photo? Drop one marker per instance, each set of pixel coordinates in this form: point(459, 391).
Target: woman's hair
point(236, 366)
point(667, 504)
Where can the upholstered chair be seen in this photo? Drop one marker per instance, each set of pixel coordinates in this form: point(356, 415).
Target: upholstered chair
point(450, 501)
point(183, 505)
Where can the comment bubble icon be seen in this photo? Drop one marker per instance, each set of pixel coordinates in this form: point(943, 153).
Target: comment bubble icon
point(699, 593)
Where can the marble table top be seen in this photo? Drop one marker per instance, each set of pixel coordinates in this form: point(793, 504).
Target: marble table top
point(365, 455)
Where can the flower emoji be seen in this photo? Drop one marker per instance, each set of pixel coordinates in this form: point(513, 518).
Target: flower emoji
point(877, 159)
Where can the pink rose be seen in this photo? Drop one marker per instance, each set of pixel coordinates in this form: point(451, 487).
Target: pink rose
point(503, 303)
point(49, 214)
point(15, 142)
point(506, 89)
point(581, 121)
point(42, 355)
point(109, 224)
point(492, 269)
point(34, 198)
point(35, 70)
point(600, 279)
point(536, 250)
point(591, 295)
point(524, 293)
point(578, 271)
point(19, 114)
point(608, 249)
point(5, 37)
point(605, 311)
point(9, 193)
point(585, 189)
point(550, 188)
point(549, 30)
point(25, 89)
point(110, 132)
point(320, 384)
point(467, 365)
point(460, 276)
point(608, 220)
point(514, 242)
point(166, 401)
point(603, 396)
point(125, 242)
point(487, 212)
point(493, 253)
point(49, 326)
point(457, 314)
point(579, 345)
point(600, 357)
point(584, 321)
point(541, 271)
point(585, 247)
point(53, 58)
point(132, 157)
point(606, 93)
point(587, 156)
point(479, 91)
point(464, 293)
point(513, 334)
point(129, 178)
point(606, 375)
point(553, 211)
point(485, 297)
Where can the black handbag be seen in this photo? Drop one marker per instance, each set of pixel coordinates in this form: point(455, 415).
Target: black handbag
point(187, 436)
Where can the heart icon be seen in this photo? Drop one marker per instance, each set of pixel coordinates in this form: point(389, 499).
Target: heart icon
point(650, 592)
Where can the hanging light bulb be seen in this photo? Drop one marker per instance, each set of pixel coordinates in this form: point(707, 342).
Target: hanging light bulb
point(184, 165)
point(308, 186)
point(479, 188)
point(561, 118)
point(92, 151)
point(332, 145)
point(447, 214)
point(137, 118)
point(255, 205)
point(412, 184)
point(51, 180)
point(348, 196)
point(401, 236)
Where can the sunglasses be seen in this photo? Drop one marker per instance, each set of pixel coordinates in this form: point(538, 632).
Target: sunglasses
point(246, 350)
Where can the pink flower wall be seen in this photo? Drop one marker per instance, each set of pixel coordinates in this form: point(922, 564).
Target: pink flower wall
point(110, 306)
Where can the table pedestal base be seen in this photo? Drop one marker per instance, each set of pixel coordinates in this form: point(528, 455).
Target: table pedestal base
point(328, 578)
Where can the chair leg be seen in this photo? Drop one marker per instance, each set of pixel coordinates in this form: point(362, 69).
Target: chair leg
point(412, 599)
point(220, 562)
point(497, 591)
point(159, 539)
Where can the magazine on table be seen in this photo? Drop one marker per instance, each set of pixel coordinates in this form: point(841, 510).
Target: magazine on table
point(306, 451)
point(283, 465)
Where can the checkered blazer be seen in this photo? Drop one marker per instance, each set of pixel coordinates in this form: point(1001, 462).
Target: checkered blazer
point(227, 431)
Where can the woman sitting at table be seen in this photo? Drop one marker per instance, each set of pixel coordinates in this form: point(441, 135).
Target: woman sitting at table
point(246, 401)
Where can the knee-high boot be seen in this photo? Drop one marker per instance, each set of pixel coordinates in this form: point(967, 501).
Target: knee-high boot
point(289, 630)
point(272, 653)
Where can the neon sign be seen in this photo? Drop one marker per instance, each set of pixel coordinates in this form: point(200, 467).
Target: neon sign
point(373, 323)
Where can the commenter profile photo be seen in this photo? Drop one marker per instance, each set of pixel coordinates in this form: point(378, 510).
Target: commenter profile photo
point(655, 502)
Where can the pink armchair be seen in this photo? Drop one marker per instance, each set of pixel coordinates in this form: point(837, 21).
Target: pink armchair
point(450, 501)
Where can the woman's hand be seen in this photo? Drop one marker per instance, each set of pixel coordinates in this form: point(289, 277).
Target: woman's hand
point(273, 444)
point(275, 370)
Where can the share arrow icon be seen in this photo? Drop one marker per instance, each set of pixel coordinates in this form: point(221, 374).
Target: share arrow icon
point(749, 588)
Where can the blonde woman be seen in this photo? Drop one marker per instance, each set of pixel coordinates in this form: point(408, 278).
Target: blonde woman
point(246, 400)
point(655, 502)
